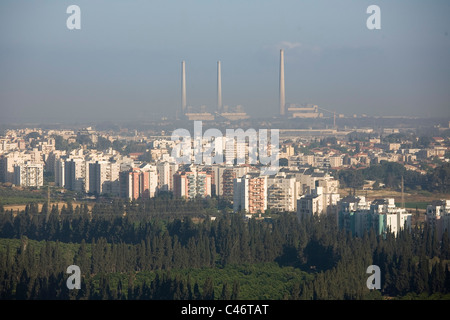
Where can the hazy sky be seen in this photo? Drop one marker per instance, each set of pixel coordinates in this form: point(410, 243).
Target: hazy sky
point(125, 62)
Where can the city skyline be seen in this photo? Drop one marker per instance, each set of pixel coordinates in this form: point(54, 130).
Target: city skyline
point(124, 62)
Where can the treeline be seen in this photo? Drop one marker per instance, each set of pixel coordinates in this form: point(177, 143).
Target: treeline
point(413, 263)
point(44, 280)
point(156, 243)
point(391, 173)
point(103, 245)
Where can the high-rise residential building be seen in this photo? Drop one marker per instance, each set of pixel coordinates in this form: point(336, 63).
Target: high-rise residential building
point(191, 183)
point(51, 159)
point(238, 151)
point(387, 217)
point(29, 175)
point(130, 184)
point(281, 192)
point(226, 180)
point(438, 216)
point(10, 160)
point(328, 184)
point(250, 193)
point(215, 171)
point(149, 181)
point(309, 181)
point(228, 177)
point(97, 176)
point(165, 171)
point(319, 201)
point(59, 170)
point(353, 214)
point(336, 161)
point(382, 216)
point(104, 178)
point(75, 174)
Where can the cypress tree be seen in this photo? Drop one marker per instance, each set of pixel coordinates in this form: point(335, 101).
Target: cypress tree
point(82, 259)
point(447, 280)
point(44, 209)
point(235, 290)
point(120, 294)
point(423, 276)
point(225, 294)
point(190, 294)
point(7, 226)
point(401, 276)
point(197, 295)
point(131, 278)
point(295, 291)
point(4, 283)
point(208, 289)
point(445, 246)
point(23, 288)
point(84, 292)
point(437, 278)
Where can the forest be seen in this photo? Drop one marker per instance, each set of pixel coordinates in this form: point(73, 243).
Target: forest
point(162, 249)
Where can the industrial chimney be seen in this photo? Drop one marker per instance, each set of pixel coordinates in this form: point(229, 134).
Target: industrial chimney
point(282, 93)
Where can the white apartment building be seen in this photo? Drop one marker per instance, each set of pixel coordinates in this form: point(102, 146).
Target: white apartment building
point(358, 216)
point(438, 216)
point(281, 192)
point(236, 151)
point(386, 216)
point(317, 202)
point(336, 161)
point(104, 178)
point(165, 171)
point(29, 175)
point(9, 160)
point(310, 180)
point(149, 181)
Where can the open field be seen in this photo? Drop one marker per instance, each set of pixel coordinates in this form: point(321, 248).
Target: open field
point(410, 197)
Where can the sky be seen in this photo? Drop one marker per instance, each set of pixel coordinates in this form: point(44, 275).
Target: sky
point(125, 61)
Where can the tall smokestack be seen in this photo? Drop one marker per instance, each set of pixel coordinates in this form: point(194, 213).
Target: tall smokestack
point(282, 93)
point(183, 87)
point(219, 87)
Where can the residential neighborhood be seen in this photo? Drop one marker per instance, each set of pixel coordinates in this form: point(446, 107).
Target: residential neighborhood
point(311, 178)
